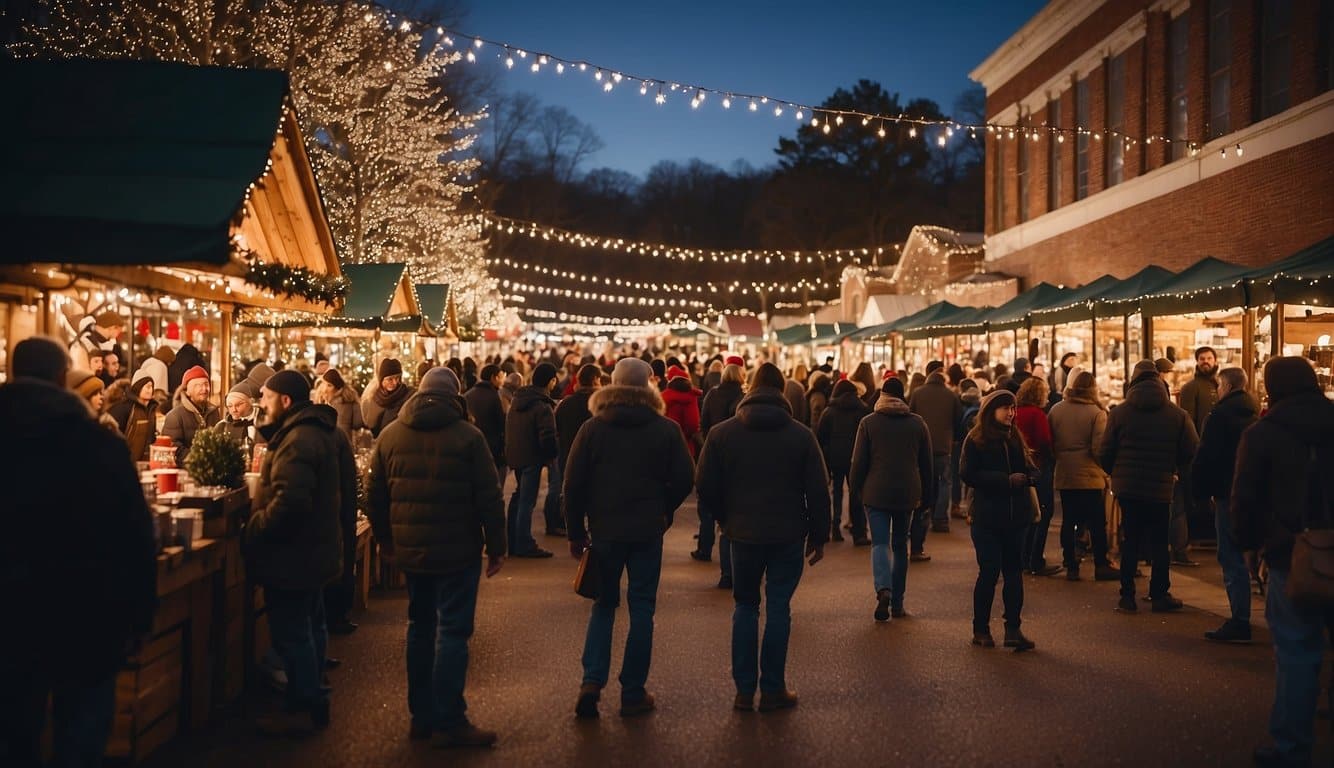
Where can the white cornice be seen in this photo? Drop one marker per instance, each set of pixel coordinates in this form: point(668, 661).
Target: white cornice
point(1041, 32)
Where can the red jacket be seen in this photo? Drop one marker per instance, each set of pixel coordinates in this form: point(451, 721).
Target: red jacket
point(683, 408)
point(1032, 423)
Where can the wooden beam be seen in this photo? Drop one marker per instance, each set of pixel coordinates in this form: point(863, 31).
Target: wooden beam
point(305, 176)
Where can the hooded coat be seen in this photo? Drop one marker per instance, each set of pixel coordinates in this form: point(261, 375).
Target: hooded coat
point(1148, 439)
point(77, 563)
point(837, 430)
point(795, 392)
point(628, 469)
point(530, 429)
point(571, 414)
point(254, 380)
point(488, 414)
point(1211, 473)
point(892, 459)
point(940, 408)
point(682, 403)
point(763, 475)
point(719, 405)
point(348, 407)
point(307, 486)
point(433, 493)
point(1077, 426)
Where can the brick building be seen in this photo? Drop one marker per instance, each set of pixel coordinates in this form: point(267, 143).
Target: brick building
point(1214, 76)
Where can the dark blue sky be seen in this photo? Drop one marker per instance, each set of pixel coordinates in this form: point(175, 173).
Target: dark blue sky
point(793, 50)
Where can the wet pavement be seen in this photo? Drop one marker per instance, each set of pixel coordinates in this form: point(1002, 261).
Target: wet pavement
point(1101, 689)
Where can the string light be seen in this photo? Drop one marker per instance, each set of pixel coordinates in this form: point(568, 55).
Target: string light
point(708, 287)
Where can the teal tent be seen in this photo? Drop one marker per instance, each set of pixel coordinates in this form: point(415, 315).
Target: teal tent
point(434, 299)
point(370, 299)
point(964, 320)
point(924, 318)
point(1014, 313)
point(1123, 298)
point(1306, 277)
point(1075, 306)
point(1205, 286)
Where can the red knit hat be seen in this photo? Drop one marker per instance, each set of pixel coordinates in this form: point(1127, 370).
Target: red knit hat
point(677, 372)
point(888, 374)
point(197, 372)
point(735, 360)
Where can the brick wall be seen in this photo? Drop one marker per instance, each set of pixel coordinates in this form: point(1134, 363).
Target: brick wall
point(1134, 109)
point(1245, 64)
point(1305, 16)
point(1154, 98)
point(1215, 217)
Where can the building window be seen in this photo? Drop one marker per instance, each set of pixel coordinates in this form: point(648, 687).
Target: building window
point(1178, 41)
point(1220, 67)
point(998, 184)
point(1022, 171)
point(1116, 119)
point(1054, 155)
point(1082, 140)
point(1275, 56)
point(1325, 48)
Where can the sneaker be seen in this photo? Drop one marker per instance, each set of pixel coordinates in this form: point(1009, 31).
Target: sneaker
point(700, 556)
point(1106, 573)
point(882, 605)
point(861, 541)
point(418, 731)
point(774, 700)
point(1232, 631)
point(1127, 605)
point(1165, 603)
point(940, 527)
point(641, 707)
point(898, 613)
point(1016, 640)
point(919, 557)
point(536, 553)
point(285, 723)
point(466, 735)
point(744, 702)
point(1072, 573)
point(1047, 570)
point(587, 705)
point(725, 582)
point(1182, 559)
point(983, 639)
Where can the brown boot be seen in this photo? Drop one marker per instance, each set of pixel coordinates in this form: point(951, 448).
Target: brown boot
point(466, 735)
point(744, 702)
point(586, 707)
point(641, 707)
point(772, 700)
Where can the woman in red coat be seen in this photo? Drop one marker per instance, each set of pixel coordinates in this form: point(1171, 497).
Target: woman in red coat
point(1031, 420)
point(682, 401)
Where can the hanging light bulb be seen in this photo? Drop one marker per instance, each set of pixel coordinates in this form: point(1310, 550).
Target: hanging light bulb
point(727, 102)
point(912, 132)
point(753, 106)
point(560, 68)
point(1238, 150)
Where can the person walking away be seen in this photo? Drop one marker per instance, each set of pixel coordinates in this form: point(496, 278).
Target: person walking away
point(869, 391)
point(1281, 488)
point(719, 406)
point(970, 398)
point(1030, 418)
point(530, 445)
point(837, 433)
point(487, 408)
point(293, 540)
point(136, 417)
point(1211, 478)
point(763, 474)
point(332, 390)
point(795, 391)
point(192, 413)
point(80, 607)
point(892, 470)
point(381, 408)
point(817, 397)
point(1197, 398)
point(1078, 422)
point(683, 404)
point(995, 464)
point(1147, 440)
point(627, 472)
point(573, 411)
point(941, 409)
point(434, 500)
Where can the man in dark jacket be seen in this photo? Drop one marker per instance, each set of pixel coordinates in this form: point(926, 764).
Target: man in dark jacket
point(763, 474)
point(294, 538)
point(488, 414)
point(1282, 486)
point(573, 410)
point(719, 405)
point(1021, 373)
point(942, 410)
point(192, 413)
point(530, 445)
point(1198, 397)
point(80, 576)
point(433, 498)
point(836, 432)
point(627, 472)
point(1148, 439)
point(893, 470)
point(1211, 476)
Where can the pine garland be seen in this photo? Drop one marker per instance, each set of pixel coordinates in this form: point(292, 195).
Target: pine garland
point(298, 281)
point(215, 459)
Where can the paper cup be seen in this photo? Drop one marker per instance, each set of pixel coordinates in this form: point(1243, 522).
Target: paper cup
point(168, 480)
point(184, 522)
point(252, 483)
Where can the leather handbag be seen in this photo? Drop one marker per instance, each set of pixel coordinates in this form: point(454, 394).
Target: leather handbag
point(586, 577)
point(1311, 579)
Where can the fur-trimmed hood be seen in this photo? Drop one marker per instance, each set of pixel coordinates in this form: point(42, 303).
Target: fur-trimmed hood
point(621, 404)
point(892, 406)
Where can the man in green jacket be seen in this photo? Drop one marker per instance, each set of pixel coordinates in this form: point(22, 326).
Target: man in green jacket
point(433, 499)
point(294, 540)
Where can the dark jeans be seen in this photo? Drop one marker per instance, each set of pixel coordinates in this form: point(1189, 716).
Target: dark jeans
point(440, 621)
point(940, 465)
point(551, 508)
point(1139, 519)
point(856, 513)
point(956, 482)
point(642, 562)
point(1236, 575)
point(920, 522)
point(779, 566)
point(1300, 639)
point(1182, 507)
point(998, 554)
point(706, 534)
point(300, 637)
point(1085, 509)
point(889, 530)
point(81, 718)
point(338, 596)
point(520, 523)
point(1035, 543)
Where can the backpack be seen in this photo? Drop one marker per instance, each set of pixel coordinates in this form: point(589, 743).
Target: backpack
point(1311, 580)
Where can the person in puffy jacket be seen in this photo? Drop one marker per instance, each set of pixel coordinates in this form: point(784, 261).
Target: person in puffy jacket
point(719, 406)
point(333, 391)
point(136, 417)
point(530, 445)
point(995, 463)
point(1077, 425)
point(682, 400)
point(837, 432)
point(380, 408)
point(1030, 418)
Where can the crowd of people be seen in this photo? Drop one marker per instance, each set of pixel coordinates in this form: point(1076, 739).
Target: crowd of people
point(624, 438)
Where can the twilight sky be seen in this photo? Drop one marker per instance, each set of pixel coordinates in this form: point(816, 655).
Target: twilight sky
point(800, 51)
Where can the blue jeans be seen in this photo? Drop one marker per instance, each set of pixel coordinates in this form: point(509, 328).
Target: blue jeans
point(642, 561)
point(1299, 646)
point(551, 508)
point(300, 636)
point(440, 621)
point(520, 524)
point(887, 525)
point(940, 465)
point(1236, 576)
point(998, 554)
point(779, 567)
point(81, 717)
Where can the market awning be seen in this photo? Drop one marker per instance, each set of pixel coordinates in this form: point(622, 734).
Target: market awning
point(925, 318)
point(743, 325)
point(818, 333)
point(1306, 277)
point(1123, 298)
point(1076, 306)
point(434, 300)
point(1014, 313)
point(964, 321)
point(1205, 286)
point(130, 162)
point(888, 307)
point(378, 296)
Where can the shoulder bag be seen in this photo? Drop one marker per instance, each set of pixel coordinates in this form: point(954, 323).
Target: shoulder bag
point(586, 578)
point(1311, 580)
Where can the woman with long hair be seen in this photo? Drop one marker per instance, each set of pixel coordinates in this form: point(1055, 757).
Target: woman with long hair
point(864, 374)
point(1077, 426)
point(1030, 417)
point(995, 464)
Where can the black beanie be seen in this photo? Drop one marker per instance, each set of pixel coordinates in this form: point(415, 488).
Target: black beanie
point(659, 368)
point(1287, 376)
point(893, 387)
point(768, 375)
point(290, 383)
point(389, 367)
point(543, 375)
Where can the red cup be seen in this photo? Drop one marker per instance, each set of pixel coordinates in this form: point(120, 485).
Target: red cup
point(167, 481)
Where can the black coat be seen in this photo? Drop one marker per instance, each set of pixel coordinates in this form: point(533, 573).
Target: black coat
point(1211, 473)
point(571, 414)
point(837, 430)
point(719, 405)
point(76, 564)
point(1147, 440)
point(187, 357)
point(891, 460)
point(763, 476)
point(1271, 489)
point(432, 492)
point(987, 468)
point(530, 429)
point(488, 414)
point(628, 469)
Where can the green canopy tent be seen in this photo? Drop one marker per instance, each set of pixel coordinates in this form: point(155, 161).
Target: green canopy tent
point(925, 317)
point(1208, 285)
point(1306, 277)
point(819, 333)
point(1123, 298)
point(1075, 306)
point(434, 299)
point(379, 297)
point(1014, 313)
point(963, 321)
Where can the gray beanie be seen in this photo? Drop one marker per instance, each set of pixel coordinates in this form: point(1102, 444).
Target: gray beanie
point(439, 381)
point(631, 372)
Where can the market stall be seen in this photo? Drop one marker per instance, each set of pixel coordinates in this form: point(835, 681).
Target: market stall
point(1203, 305)
point(1297, 296)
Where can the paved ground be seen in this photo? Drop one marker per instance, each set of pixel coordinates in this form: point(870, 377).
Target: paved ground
point(1101, 689)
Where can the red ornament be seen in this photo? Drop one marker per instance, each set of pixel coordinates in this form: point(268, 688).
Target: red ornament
point(142, 328)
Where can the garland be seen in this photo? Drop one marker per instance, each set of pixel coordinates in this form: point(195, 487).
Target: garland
point(298, 281)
